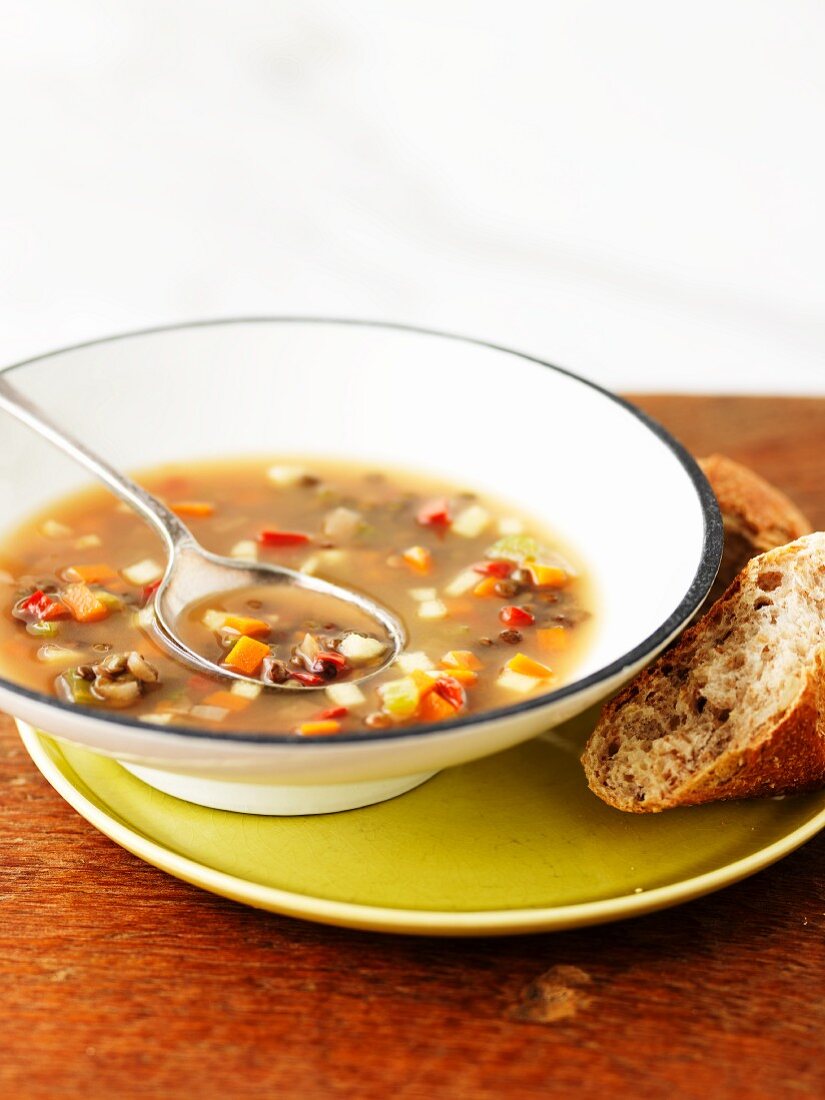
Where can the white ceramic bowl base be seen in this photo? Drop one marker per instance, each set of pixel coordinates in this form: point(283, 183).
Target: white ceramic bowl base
point(269, 798)
point(611, 483)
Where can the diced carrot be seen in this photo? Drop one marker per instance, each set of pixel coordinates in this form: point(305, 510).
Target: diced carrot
point(461, 658)
point(548, 576)
point(435, 708)
point(252, 627)
point(552, 638)
point(195, 508)
point(322, 728)
point(226, 699)
point(423, 681)
point(526, 666)
point(464, 676)
point(487, 587)
point(90, 574)
point(246, 655)
point(418, 558)
point(83, 603)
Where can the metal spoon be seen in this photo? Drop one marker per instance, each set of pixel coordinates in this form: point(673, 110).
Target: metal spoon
point(191, 571)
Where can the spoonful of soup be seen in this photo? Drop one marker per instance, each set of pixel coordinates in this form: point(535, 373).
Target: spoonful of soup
point(218, 614)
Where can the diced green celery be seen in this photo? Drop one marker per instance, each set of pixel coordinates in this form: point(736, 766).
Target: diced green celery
point(43, 629)
point(108, 599)
point(75, 689)
point(400, 698)
point(516, 548)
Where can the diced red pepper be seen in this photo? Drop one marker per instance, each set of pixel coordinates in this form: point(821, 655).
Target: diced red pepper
point(450, 689)
point(333, 712)
point(516, 616)
point(148, 591)
point(308, 679)
point(435, 513)
point(494, 568)
point(40, 608)
point(333, 658)
point(282, 538)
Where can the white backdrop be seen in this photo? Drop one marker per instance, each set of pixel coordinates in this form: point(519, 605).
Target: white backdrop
point(634, 190)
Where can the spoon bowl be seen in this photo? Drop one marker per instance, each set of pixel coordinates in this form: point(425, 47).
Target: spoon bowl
point(194, 573)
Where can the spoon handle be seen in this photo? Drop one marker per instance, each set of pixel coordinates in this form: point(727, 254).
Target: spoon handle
point(165, 522)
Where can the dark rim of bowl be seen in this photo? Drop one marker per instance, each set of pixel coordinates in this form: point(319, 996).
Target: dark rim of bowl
point(699, 587)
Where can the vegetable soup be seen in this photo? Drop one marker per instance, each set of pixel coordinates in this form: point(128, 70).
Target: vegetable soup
point(495, 610)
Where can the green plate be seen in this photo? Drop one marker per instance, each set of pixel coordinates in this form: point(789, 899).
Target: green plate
point(512, 843)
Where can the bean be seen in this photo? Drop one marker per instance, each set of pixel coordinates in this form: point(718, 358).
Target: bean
point(511, 637)
point(506, 589)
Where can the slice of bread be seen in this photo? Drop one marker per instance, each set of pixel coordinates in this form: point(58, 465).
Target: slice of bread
point(756, 516)
point(736, 707)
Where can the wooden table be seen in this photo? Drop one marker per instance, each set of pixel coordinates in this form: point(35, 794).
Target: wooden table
point(120, 982)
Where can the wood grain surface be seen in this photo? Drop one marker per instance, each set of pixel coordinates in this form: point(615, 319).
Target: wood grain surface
point(119, 981)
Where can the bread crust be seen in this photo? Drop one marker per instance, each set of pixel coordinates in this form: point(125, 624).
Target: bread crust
point(785, 754)
point(755, 514)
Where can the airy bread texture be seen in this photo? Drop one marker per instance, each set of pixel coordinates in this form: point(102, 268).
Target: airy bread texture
point(756, 516)
point(736, 707)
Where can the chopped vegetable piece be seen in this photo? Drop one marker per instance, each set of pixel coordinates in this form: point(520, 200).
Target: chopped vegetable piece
point(461, 658)
point(359, 649)
point(75, 689)
point(246, 656)
point(432, 609)
point(346, 695)
point(87, 542)
point(208, 713)
point(113, 602)
point(195, 508)
point(286, 476)
point(39, 608)
point(498, 569)
point(229, 700)
point(42, 629)
point(246, 550)
point(423, 680)
point(516, 548)
point(516, 681)
point(526, 666)
point(268, 537)
point(435, 708)
point(160, 719)
point(320, 728)
point(466, 579)
point(464, 676)
point(435, 513)
point(471, 522)
point(408, 662)
point(54, 530)
point(553, 638)
point(83, 603)
point(245, 689)
point(143, 572)
point(449, 688)
point(487, 587)
point(418, 558)
point(214, 620)
point(333, 712)
point(308, 679)
point(400, 698)
point(148, 591)
point(254, 628)
point(342, 524)
point(424, 594)
point(516, 616)
point(547, 576)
